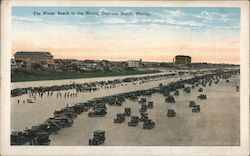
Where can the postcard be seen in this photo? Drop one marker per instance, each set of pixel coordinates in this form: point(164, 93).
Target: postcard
point(124, 78)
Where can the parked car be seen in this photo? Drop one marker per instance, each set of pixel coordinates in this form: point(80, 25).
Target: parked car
point(97, 113)
point(192, 104)
point(127, 112)
point(170, 99)
point(148, 124)
point(237, 88)
point(196, 108)
point(202, 96)
point(134, 121)
point(120, 118)
point(171, 113)
point(150, 104)
point(176, 93)
point(98, 139)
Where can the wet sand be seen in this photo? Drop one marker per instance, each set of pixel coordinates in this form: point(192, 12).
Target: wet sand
point(217, 123)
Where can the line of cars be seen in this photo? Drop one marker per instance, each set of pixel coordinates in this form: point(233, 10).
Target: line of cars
point(87, 87)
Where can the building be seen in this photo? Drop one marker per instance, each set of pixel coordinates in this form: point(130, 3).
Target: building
point(134, 64)
point(182, 59)
point(43, 58)
point(91, 64)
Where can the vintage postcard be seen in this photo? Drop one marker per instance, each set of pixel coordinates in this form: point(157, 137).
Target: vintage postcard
point(125, 78)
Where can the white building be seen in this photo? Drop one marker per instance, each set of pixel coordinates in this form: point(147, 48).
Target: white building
point(134, 64)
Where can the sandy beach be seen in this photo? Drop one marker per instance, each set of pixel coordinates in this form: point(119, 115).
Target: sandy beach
point(216, 124)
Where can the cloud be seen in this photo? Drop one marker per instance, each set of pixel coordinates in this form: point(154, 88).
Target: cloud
point(114, 21)
point(25, 19)
point(136, 21)
point(213, 16)
point(175, 13)
point(171, 17)
point(205, 19)
point(184, 23)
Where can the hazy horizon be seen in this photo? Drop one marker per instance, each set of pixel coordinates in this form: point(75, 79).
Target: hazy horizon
point(209, 35)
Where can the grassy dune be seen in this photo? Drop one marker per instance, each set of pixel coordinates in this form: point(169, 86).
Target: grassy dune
point(21, 76)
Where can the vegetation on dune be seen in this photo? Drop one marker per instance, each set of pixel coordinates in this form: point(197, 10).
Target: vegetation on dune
point(21, 76)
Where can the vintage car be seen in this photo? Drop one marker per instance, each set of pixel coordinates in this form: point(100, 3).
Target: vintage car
point(202, 96)
point(98, 113)
point(134, 121)
point(196, 108)
point(127, 112)
point(187, 89)
point(41, 138)
point(237, 88)
point(115, 102)
point(148, 124)
point(143, 108)
point(132, 97)
point(192, 104)
point(18, 138)
point(143, 100)
point(78, 108)
point(69, 112)
point(144, 116)
point(147, 93)
point(170, 99)
point(65, 120)
point(171, 113)
point(50, 127)
point(150, 104)
point(176, 93)
point(99, 138)
point(36, 136)
point(120, 118)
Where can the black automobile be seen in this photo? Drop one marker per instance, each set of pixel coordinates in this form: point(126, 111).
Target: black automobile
point(134, 121)
point(99, 138)
point(202, 97)
point(120, 118)
point(127, 112)
point(200, 90)
point(150, 104)
point(170, 99)
point(192, 104)
point(176, 93)
point(196, 109)
point(171, 113)
point(148, 124)
point(97, 113)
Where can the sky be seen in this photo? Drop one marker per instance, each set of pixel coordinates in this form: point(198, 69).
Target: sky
point(129, 33)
